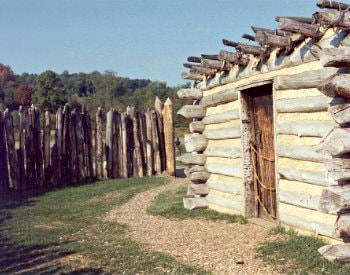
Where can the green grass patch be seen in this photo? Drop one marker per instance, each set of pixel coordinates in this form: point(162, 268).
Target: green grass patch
point(292, 253)
point(169, 204)
point(66, 231)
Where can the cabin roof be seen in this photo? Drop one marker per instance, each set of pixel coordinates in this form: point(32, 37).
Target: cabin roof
point(291, 32)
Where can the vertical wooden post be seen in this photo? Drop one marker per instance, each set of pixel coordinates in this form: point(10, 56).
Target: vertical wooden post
point(66, 145)
point(109, 142)
point(158, 106)
point(99, 144)
point(46, 148)
point(115, 145)
point(88, 145)
point(11, 151)
point(73, 148)
point(169, 137)
point(143, 138)
point(21, 150)
point(54, 163)
point(4, 176)
point(59, 143)
point(149, 144)
point(155, 139)
point(79, 138)
point(29, 146)
point(137, 148)
point(125, 142)
point(130, 146)
point(38, 149)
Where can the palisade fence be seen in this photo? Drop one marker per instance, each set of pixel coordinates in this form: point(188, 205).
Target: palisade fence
point(38, 156)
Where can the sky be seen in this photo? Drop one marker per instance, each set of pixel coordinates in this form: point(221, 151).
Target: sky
point(148, 39)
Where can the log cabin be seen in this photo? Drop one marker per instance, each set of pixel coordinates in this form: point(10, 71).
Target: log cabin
point(269, 124)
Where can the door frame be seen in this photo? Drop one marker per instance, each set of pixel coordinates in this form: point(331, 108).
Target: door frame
point(250, 208)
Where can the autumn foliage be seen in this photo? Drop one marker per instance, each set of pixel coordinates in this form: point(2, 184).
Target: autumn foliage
point(23, 95)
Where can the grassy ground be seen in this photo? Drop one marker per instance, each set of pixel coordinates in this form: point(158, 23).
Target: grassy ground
point(66, 231)
point(292, 253)
point(169, 204)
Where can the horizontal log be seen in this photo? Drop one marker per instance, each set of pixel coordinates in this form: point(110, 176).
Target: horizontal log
point(336, 85)
point(309, 30)
point(194, 59)
point(189, 65)
point(229, 57)
point(306, 104)
point(272, 40)
point(340, 110)
point(195, 203)
point(197, 189)
point(199, 177)
point(223, 133)
point(196, 127)
point(202, 70)
point(221, 117)
point(304, 80)
point(197, 168)
point(317, 178)
point(342, 226)
point(338, 169)
point(333, 18)
point(306, 20)
point(192, 111)
point(337, 252)
point(248, 36)
point(225, 187)
point(305, 128)
point(225, 202)
point(224, 152)
point(299, 199)
point(215, 64)
point(335, 57)
point(229, 43)
point(192, 76)
point(222, 169)
point(306, 153)
point(250, 49)
point(219, 98)
point(210, 56)
point(318, 226)
point(190, 93)
point(270, 31)
point(189, 158)
point(335, 199)
point(195, 142)
point(326, 4)
point(336, 142)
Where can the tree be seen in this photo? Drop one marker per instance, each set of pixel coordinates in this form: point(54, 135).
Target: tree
point(23, 95)
point(49, 92)
point(6, 75)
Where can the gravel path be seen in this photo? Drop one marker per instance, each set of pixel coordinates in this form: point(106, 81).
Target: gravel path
point(215, 246)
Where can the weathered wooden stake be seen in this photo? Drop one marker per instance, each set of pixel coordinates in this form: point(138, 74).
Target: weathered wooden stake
point(149, 144)
point(169, 137)
point(99, 144)
point(46, 148)
point(4, 176)
point(155, 139)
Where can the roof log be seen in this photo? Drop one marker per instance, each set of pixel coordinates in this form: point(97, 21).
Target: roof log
point(215, 64)
point(202, 70)
point(248, 49)
point(325, 4)
point(333, 18)
point(272, 40)
point(309, 30)
point(192, 76)
point(248, 36)
point(210, 56)
point(194, 59)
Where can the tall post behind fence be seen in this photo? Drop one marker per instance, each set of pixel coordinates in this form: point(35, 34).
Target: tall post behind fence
point(169, 137)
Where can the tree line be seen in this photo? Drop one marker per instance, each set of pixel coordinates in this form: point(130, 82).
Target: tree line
point(50, 90)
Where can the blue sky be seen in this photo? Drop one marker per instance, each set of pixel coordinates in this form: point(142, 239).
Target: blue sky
point(136, 38)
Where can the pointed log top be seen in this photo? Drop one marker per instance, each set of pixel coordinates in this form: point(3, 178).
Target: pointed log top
point(158, 105)
point(168, 102)
point(99, 111)
point(20, 108)
point(194, 59)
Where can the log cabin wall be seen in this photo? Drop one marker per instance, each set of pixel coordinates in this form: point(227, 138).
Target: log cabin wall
point(302, 121)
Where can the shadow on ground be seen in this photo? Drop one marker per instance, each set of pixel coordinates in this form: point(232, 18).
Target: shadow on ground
point(33, 259)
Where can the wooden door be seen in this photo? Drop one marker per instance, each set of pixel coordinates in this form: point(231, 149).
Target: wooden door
point(262, 149)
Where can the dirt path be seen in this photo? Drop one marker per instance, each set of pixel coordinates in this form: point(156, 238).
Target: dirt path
point(214, 246)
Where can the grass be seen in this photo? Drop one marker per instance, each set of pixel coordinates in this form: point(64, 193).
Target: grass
point(169, 204)
point(65, 231)
point(292, 253)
